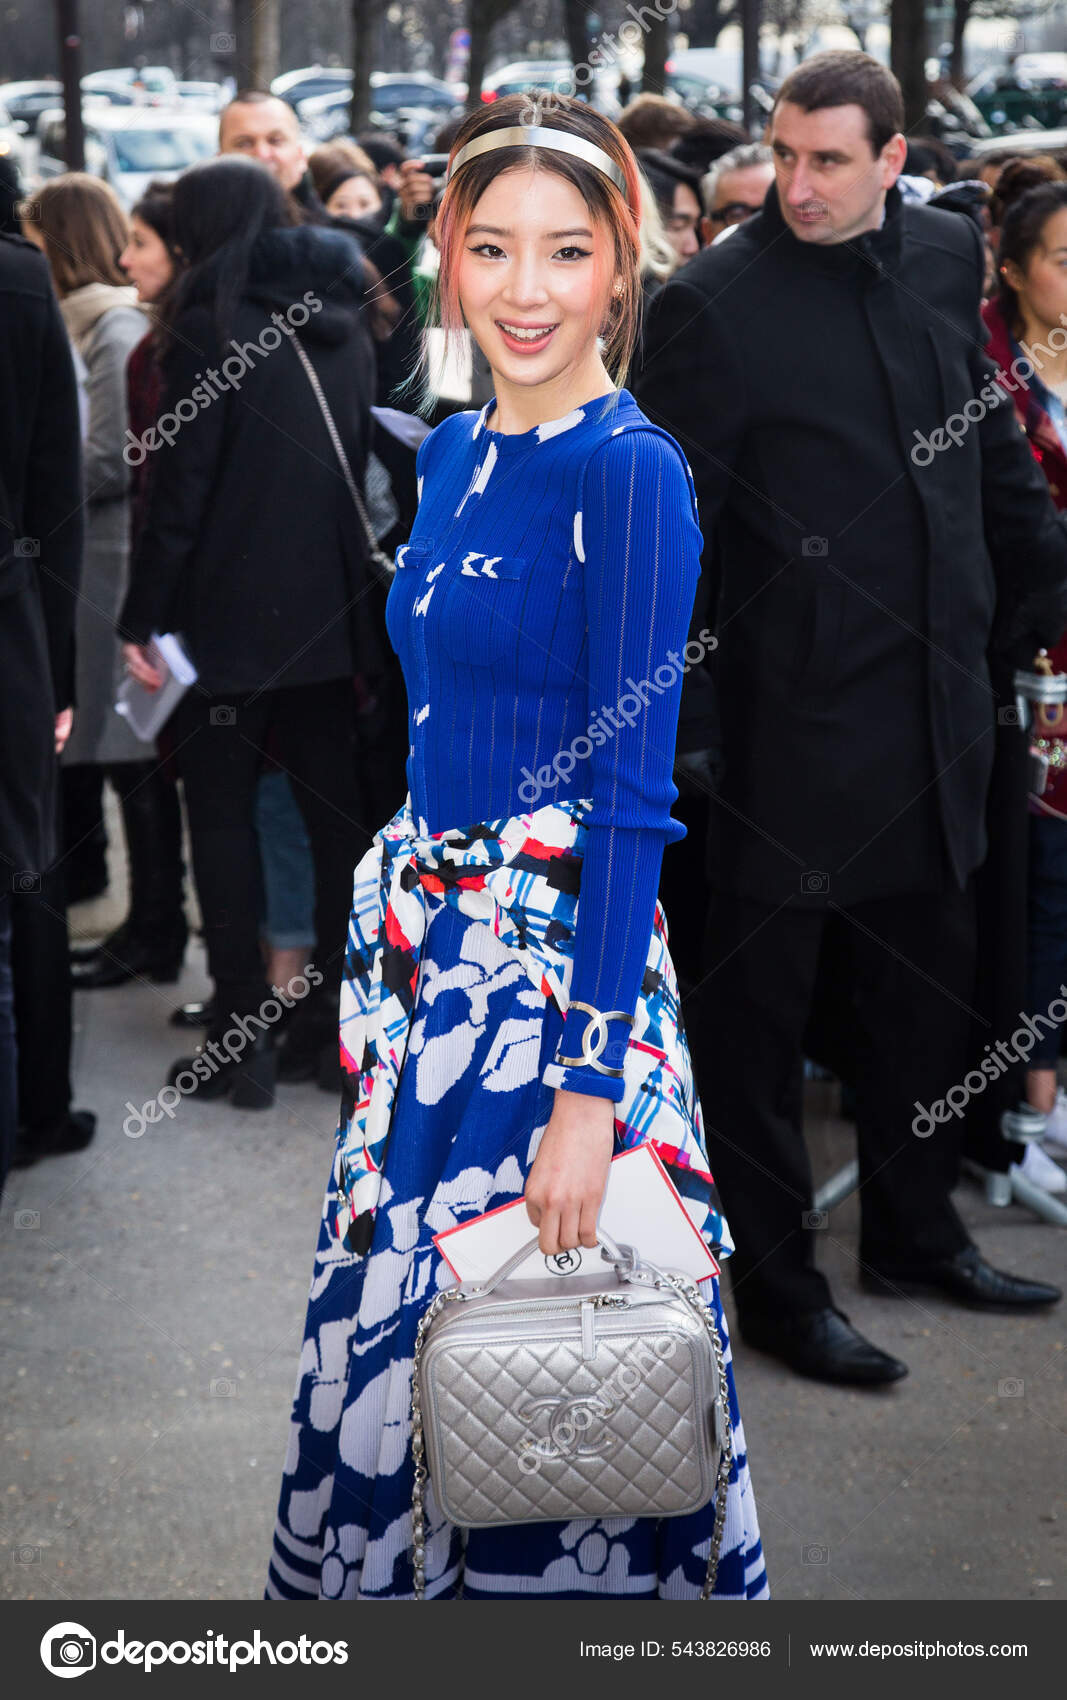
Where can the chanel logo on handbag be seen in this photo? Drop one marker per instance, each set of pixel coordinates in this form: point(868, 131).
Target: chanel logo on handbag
point(604, 1396)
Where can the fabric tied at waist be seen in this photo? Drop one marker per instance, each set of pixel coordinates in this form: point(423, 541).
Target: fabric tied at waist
point(521, 877)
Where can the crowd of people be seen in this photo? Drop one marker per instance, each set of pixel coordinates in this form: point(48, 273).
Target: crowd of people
point(212, 408)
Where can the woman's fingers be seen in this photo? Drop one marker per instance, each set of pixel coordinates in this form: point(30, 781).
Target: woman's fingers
point(587, 1227)
point(548, 1239)
point(568, 1226)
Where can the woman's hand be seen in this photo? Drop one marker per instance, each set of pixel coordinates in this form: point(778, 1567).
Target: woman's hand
point(140, 666)
point(565, 1186)
point(417, 190)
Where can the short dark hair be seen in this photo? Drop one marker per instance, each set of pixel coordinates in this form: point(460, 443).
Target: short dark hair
point(847, 78)
point(664, 174)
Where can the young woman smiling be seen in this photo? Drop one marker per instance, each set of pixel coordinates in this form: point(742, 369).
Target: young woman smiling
point(503, 1036)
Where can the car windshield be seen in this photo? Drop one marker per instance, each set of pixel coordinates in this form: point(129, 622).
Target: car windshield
point(390, 97)
point(160, 150)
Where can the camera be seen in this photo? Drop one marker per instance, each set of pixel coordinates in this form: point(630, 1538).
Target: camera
point(435, 164)
point(73, 1651)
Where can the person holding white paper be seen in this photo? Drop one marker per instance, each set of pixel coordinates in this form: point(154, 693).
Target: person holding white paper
point(509, 1010)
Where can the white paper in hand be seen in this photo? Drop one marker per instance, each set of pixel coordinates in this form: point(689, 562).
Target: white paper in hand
point(642, 1207)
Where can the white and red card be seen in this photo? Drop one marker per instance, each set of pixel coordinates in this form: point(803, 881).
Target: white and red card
point(642, 1207)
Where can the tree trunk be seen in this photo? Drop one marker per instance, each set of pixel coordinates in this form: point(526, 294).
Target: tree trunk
point(657, 42)
point(574, 26)
point(70, 58)
point(907, 24)
point(263, 43)
point(364, 20)
point(961, 17)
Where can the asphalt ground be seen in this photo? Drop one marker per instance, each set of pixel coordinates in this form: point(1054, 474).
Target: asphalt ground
point(151, 1318)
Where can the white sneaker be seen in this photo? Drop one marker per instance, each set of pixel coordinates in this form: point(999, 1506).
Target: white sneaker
point(1040, 1170)
point(1055, 1133)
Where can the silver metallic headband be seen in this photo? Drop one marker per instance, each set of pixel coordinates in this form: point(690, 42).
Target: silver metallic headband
point(540, 136)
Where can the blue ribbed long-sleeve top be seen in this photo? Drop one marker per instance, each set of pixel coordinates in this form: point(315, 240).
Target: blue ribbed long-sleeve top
point(540, 613)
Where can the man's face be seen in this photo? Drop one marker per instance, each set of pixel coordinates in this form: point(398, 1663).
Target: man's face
point(831, 183)
point(738, 194)
point(266, 130)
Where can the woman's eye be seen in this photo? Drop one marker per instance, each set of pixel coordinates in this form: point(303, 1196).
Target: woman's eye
point(573, 253)
point(488, 248)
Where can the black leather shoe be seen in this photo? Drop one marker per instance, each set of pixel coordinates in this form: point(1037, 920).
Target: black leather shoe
point(195, 1014)
point(822, 1344)
point(71, 1132)
point(118, 960)
point(247, 1078)
point(969, 1279)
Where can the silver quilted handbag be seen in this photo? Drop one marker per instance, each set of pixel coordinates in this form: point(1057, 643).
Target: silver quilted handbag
point(599, 1395)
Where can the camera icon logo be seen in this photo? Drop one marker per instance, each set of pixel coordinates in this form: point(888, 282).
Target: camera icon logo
point(815, 1218)
point(814, 1555)
point(814, 883)
point(1010, 1387)
point(1009, 717)
point(814, 546)
point(27, 548)
point(222, 715)
point(27, 1218)
point(25, 882)
point(223, 42)
point(223, 1387)
point(68, 1649)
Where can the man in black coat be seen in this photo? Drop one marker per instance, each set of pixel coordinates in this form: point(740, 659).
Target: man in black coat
point(40, 563)
point(872, 514)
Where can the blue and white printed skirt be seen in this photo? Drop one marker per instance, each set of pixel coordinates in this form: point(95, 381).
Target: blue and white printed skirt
point(469, 1113)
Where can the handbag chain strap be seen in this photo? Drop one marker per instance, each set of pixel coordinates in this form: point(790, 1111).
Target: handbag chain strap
point(380, 560)
point(688, 1291)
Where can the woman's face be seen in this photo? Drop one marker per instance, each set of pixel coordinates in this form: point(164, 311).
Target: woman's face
point(528, 269)
point(682, 223)
point(146, 262)
point(1042, 286)
point(356, 198)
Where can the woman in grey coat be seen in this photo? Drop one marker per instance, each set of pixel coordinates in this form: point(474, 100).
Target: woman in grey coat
point(78, 222)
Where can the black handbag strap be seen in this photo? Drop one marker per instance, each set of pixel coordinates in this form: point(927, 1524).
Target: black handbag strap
point(378, 557)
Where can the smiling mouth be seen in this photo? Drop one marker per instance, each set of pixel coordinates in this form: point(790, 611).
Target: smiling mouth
point(525, 336)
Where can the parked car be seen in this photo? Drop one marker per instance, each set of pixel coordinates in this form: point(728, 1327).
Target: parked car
point(707, 81)
point(410, 106)
point(10, 140)
point(24, 102)
point(128, 146)
point(201, 97)
point(1031, 90)
point(552, 76)
point(146, 85)
point(1021, 142)
point(296, 86)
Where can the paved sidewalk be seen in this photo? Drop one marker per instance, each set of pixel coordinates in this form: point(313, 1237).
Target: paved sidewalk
point(151, 1320)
